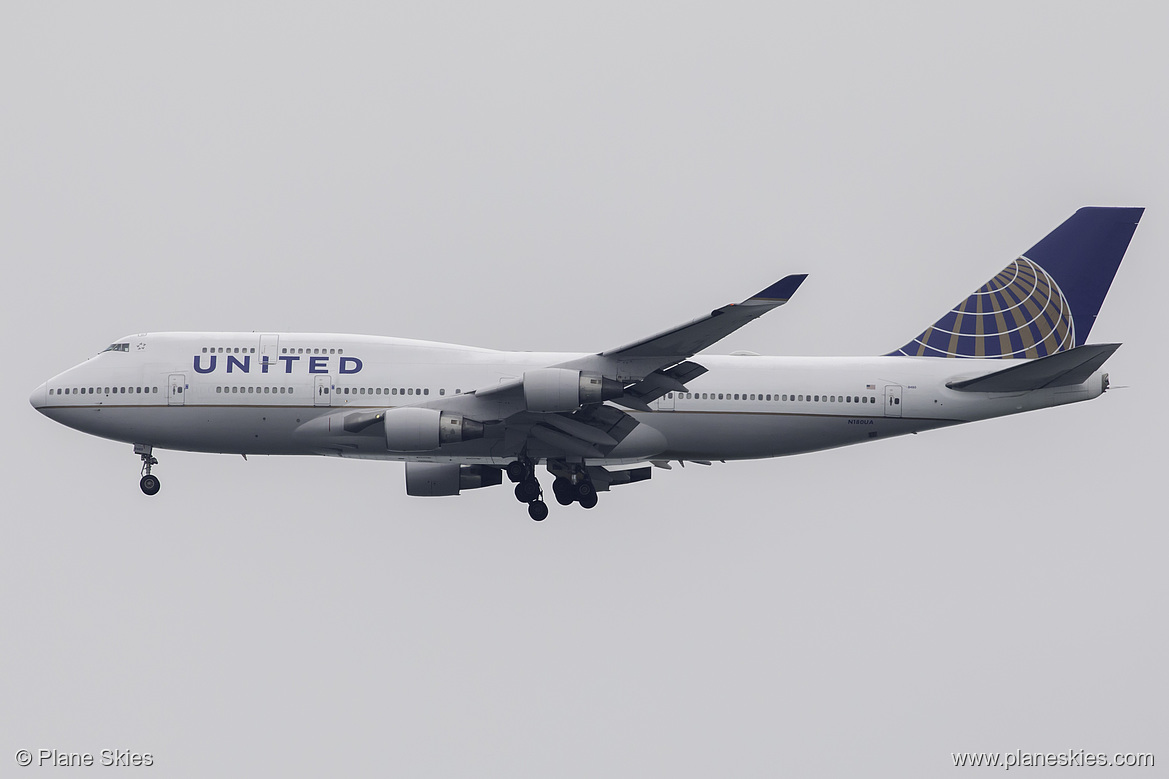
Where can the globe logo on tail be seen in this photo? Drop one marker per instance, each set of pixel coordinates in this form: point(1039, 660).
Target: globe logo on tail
point(1020, 313)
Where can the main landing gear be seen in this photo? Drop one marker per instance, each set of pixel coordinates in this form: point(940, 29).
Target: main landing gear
point(575, 488)
point(527, 488)
point(149, 483)
point(567, 493)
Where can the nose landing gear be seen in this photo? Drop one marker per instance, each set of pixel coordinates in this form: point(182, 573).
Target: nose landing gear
point(149, 483)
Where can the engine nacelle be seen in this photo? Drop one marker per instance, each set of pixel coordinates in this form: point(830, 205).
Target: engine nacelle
point(424, 429)
point(562, 389)
point(437, 479)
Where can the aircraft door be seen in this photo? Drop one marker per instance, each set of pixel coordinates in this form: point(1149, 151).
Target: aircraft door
point(177, 388)
point(892, 400)
point(269, 348)
point(666, 402)
point(323, 391)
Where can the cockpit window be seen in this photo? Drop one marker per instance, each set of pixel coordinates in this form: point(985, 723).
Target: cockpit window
point(117, 348)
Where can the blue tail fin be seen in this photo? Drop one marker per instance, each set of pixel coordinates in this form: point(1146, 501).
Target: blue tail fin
point(1042, 303)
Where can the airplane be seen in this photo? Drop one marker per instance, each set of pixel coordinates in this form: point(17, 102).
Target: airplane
point(462, 417)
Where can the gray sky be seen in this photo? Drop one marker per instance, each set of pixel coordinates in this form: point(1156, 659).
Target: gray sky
point(533, 177)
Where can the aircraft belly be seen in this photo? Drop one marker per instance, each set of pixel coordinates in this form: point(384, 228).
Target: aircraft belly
point(732, 436)
point(235, 430)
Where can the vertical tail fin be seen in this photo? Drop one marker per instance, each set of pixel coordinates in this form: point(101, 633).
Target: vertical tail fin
point(1042, 303)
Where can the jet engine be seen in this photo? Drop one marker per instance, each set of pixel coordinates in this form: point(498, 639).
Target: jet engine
point(436, 479)
point(424, 429)
point(562, 389)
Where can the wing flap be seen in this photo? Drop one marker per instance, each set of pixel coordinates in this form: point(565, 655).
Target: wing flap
point(659, 383)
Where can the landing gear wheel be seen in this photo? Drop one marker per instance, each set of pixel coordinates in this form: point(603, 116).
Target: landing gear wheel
point(586, 489)
point(588, 501)
point(150, 484)
point(538, 510)
point(563, 490)
point(518, 470)
point(527, 490)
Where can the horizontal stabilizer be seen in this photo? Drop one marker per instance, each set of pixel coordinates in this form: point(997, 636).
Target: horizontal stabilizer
point(1062, 369)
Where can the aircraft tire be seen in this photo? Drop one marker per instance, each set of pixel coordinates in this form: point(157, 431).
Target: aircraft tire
point(150, 484)
point(527, 490)
point(538, 510)
point(517, 471)
point(588, 501)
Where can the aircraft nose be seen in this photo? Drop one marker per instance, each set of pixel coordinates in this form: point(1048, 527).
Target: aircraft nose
point(39, 397)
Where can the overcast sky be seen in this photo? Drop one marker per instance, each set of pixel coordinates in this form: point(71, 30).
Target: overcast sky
point(535, 176)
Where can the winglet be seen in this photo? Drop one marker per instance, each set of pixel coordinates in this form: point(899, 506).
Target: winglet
point(779, 292)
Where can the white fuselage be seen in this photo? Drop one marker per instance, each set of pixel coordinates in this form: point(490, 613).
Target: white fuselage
point(289, 393)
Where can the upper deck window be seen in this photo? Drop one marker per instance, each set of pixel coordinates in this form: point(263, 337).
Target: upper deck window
point(117, 348)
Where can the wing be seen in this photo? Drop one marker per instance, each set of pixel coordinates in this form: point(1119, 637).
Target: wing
point(678, 343)
point(658, 364)
point(505, 418)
